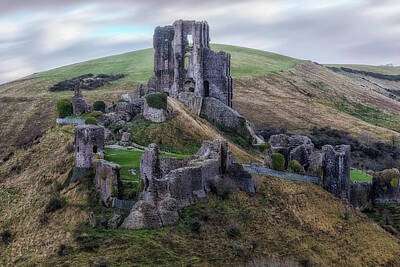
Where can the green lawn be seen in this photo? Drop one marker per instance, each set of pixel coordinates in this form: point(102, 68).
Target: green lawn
point(130, 159)
point(360, 176)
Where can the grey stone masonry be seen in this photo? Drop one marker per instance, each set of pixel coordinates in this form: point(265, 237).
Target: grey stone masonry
point(79, 105)
point(172, 184)
point(184, 62)
point(336, 169)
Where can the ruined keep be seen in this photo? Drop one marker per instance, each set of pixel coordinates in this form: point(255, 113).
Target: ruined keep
point(184, 62)
point(336, 170)
point(89, 140)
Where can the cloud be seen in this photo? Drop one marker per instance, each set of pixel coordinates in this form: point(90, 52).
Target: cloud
point(43, 34)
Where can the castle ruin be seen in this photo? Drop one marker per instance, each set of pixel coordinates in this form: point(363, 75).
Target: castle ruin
point(184, 62)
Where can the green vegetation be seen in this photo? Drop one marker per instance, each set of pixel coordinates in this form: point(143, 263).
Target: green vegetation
point(388, 70)
point(170, 136)
point(100, 106)
point(96, 114)
point(263, 147)
point(158, 101)
point(295, 167)
point(360, 176)
point(369, 114)
point(91, 120)
point(129, 160)
point(277, 162)
point(64, 108)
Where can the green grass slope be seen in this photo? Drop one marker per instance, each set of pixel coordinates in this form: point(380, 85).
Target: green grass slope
point(388, 70)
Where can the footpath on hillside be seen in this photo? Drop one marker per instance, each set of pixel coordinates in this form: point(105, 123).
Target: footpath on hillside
point(261, 170)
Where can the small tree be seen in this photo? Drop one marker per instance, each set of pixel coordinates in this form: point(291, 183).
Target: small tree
point(278, 162)
point(295, 167)
point(64, 108)
point(91, 120)
point(100, 106)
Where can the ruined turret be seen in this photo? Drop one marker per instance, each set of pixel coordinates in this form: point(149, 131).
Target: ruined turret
point(336, 168)
point(79, 105)
point(89, 140)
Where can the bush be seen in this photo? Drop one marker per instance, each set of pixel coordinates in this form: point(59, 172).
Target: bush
point(56, 202)
point(158, 101)
point(96, 114)
point(233, 231)
point(263, 147)
point(277, 162)
point(295, 167)
point(64, 108)
point(6, 237)
point(91, 120)
point(99, 106)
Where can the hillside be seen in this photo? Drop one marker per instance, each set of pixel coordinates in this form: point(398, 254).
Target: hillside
point(283, 92)
point(44, 219)
point(292, 222)
point(388, 70)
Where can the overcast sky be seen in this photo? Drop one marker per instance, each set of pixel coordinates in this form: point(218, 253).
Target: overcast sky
point(37, 35)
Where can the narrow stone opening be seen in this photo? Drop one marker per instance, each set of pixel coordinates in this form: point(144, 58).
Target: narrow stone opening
point(206, 89)
point(187, 60)
point(190, 40)
point(189, 86)
point(95, 149)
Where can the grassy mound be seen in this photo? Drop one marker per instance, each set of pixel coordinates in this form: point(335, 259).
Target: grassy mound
point(157, 101)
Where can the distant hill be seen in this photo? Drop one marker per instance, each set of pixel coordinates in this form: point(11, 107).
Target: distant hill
point(389, 70)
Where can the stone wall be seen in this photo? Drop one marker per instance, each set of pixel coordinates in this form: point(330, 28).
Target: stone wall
point(206, 71)
point(336, 169)
point(385, 187)
point(106, 181)
point(167, 189)
point(154, 114)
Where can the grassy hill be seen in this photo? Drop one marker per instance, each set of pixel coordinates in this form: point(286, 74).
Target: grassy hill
point(43, 218)
point(388, 70)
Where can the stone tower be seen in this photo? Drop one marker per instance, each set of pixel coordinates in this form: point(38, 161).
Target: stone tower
point(184, 62)
point(89, 140)
point(336, 168)
point(79, 105)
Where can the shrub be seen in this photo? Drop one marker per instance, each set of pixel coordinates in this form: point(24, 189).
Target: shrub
point(295, 167)
point(233, 231)
point(64, 108)
point(70, 148)
point(277, 162)
point(6, 237)
point(96, 114)
point(91, 120)
point(99, 106)
point(158, 101)
point(263, 147)
point(56, 202)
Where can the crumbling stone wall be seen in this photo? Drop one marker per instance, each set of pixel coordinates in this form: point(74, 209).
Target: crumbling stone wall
point(385, 187)
point(79, 105)
point(336, 170)
point(167, 190)
point(184, 61)
point(106, 181)
point(89, 140)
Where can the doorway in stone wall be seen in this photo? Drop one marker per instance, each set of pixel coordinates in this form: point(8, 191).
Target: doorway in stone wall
point(206, 88)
